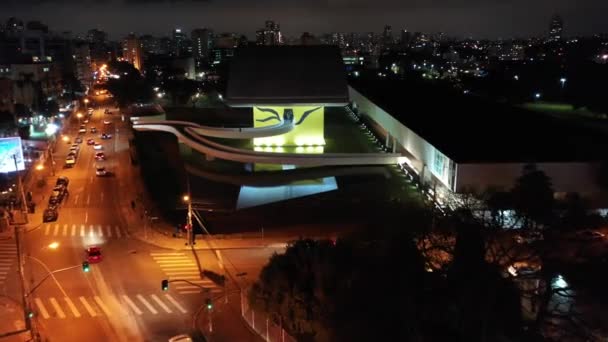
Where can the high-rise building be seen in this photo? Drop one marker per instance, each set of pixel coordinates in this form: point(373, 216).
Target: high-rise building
point(82, 59)
point(406, 37)
point(132, 51)
point(150, 44)
point(387, 36)
point(270, 34)
point(556, 28)
point(202, 42)
point(180, 41)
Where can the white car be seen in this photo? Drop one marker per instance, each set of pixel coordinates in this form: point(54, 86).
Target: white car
point(82, 130)
point(98, 146)
point(107, 122)
point(100, 171)
point(181, 338)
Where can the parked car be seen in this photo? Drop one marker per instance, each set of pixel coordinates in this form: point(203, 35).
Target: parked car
point(93, 130)
point(70, 161)
point(63, 181)
point(98, 146)
point(100, 171)
point(106, 136)
point(100, 156)
point(50, 215)
point(79, 140)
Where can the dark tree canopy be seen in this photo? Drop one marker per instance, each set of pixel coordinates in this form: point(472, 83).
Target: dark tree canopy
point(533, 196)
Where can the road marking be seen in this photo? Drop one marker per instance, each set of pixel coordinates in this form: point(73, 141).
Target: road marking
point(102, 196)
point(109, 231)
point(161, 304)
point(86, 216)
point(166, 254)
point(102, 306)
point(57, 307)
point(73, 230)
point(145, 302)
point(132, 305)
point(171, 257)
point(175, 262)
point(91, 230)
point(65, 230)
point(76, 199)
point(46, 229)
point(72, 307)
point(82, 230)
point(189, 292)
point(187, 287)
point(56, 230)
point(118, 233)
point(42, 309)
point(88, 307)
point(99, 230)
point(175, 303)
point(187, 277)
point(89, 195)
point(181, 273)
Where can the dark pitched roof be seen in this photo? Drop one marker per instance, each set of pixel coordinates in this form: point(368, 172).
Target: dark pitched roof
point(469, 129)
point(287, 75)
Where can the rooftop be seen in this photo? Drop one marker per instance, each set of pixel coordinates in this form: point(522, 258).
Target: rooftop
point(468, 129)
point(268, 75)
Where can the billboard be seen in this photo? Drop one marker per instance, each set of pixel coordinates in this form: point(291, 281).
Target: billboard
point(9, 149)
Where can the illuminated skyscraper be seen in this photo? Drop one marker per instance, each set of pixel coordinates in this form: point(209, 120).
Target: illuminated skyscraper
point(556, 28)
point(202, 41)
point(132, 51)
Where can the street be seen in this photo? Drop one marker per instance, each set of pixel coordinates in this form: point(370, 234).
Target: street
point(120, 298)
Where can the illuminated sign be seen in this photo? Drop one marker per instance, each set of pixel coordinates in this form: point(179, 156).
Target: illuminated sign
point(308, 122)
point(11, 150)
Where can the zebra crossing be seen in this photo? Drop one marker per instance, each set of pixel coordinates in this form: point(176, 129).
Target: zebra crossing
point(178, 266)
point(85, 230)
point(110, 306)
point(8, 255)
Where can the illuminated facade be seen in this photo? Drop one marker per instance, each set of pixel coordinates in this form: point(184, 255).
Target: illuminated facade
point(132, 51)
point(308, 122)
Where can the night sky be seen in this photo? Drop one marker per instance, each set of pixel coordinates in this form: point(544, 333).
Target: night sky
point(479, 18)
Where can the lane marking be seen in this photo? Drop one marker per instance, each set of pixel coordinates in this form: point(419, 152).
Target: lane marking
point(72, 307)
point(189, 292)
point(89, 196)
point(65, 230)
point(99, 231)
point(175, 303)
point(76, 199)
point(56, 230)
point(132, 305)
point(145, 302)
point(57, 307)
point(82, 230)
point(181, 273)
point(88, 307)
point(73, 230)
point(102, 306)
point(161, 304)
point(41, 308)
point(91, 230)
point(118, 233)
point(46, 229)
point(86, 216)
point(187, 287)
point(109, 231)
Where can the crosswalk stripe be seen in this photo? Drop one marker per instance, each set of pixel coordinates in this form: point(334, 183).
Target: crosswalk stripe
point(2, 277)
point(46, 229)
point(170, 257)
point(4, 267)
point(91, 232)
point(153, 254)
point(161, 304)
point(57, 307)
point(102, 306)
point(179, 268)
point(56, 230)
point(99, 230)
point(145, 302)
point(118, 233)
point(7, 252)
point(182, 273)
point(82, 230)
point(42, 309)
point(175, 263)
point(186, 287)
point(187, 277)
point(11, 247)
point(131, 304)
point(88, 307)
point(72, 307)
point(65, 230)
point(175, 303)
point(109, 230)
point(73, 230)
point(189, 292)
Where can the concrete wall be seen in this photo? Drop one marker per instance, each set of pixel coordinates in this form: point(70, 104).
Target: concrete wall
point(423, 152)
point(566, 177)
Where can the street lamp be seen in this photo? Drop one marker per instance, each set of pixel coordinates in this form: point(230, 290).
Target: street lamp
point(562, 81)
point(86, 103)
point(186, 199)
point(65, 138)
point(79, 116)
point(39, 167)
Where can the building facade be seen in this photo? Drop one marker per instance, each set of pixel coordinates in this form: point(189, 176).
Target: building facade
point(132, 51)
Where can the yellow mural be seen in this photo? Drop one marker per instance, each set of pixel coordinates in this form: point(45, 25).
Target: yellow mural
point(308, 120)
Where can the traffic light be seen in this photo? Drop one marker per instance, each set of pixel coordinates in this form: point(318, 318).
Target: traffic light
point(85, 266)
point(209, 304)
point(164, 285)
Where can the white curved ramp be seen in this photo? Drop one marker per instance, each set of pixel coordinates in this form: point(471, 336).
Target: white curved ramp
point(283, 127)
point(189, 133)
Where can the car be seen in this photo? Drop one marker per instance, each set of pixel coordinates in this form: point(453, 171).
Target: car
point(72, 154)
point(181, 338)
point(93, 254)
point(100, 156)
point(60, 192)
point(70, 161)
point(107, 122)
point(100, 171)
point(90, 141)
point(49, 215)
point(90, 110)
point(82, 130)
point(74, 146)
point(106, 136)
point(54, 200)
point(63, 181)
point(591, 235)
point(98, 146)
point(107, 111)
point(86, 121)
point(79, 140)
point(93, 130)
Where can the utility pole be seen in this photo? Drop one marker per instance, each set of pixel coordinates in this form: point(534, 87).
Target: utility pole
point(24, 300)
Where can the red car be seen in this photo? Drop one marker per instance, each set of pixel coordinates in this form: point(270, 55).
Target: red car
point(100, 156)
point(93, 254)
point(90, 142)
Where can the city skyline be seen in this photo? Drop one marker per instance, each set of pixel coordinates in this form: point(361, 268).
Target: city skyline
point(462, 19)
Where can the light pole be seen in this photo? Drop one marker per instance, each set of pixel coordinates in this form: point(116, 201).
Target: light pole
point(79, 116)
point(189, 233)
point(86, 103)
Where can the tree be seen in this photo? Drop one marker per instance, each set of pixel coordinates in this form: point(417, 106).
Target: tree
point(533, 197)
